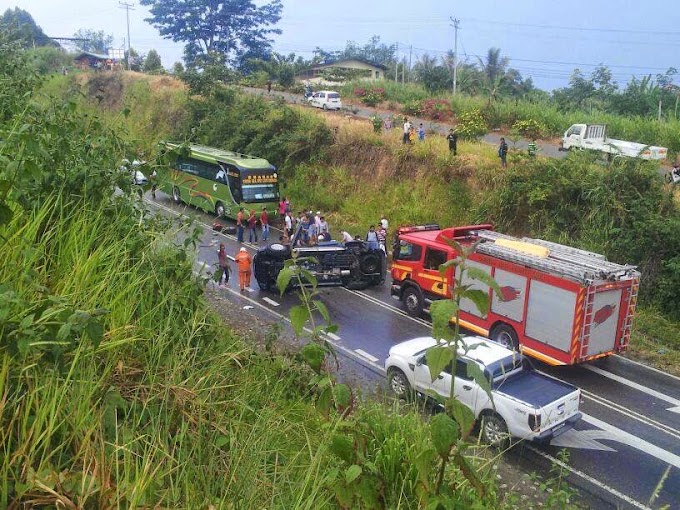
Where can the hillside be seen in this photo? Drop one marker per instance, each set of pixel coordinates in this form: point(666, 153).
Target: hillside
point(338, 164)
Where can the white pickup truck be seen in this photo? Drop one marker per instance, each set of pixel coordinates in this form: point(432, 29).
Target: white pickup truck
point(526, 404)
point(594, 137)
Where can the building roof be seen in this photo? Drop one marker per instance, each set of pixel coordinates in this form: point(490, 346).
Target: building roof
point(335, 63)
point(98, 56)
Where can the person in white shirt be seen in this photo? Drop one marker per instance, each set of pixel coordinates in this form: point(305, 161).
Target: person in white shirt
point(346, 237)
point(383, 222)
point(407, 129)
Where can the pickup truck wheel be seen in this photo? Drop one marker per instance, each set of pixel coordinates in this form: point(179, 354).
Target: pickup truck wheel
point(370, 263)
point(506, 336)
point(413, 301)
point(399, 384)
point(495, 431)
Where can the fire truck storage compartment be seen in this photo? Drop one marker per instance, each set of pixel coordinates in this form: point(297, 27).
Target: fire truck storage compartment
point(513, 290)
point(550, 315)
point(467, 305)
point(604, 321)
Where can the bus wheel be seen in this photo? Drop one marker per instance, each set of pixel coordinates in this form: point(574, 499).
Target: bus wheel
point(413, 301)
point(506, 336)
point(219, 209)
point(175, 195)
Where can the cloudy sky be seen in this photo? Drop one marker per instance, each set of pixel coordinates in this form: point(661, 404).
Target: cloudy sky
point(543, 38)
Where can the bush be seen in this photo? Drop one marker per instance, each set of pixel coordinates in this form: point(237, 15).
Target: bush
point(437, 109)
point(529, 128)
point(412, 108)
point(471, 125)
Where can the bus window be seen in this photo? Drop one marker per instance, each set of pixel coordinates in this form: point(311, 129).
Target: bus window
point(234, 181)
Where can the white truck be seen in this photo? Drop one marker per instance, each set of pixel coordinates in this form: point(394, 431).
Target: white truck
point(594, 137)
point(526, 404)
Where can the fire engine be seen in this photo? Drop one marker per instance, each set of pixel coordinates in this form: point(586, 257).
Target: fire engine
point(559, 304)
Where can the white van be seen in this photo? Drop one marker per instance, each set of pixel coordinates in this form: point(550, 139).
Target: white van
point(326, 99)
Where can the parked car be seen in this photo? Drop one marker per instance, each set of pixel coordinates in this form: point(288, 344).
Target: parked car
point(526, 404)
point(326, 99)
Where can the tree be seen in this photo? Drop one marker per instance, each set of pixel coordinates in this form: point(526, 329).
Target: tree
point(20, 26)
point(152, 62)
point(177, 68)
point(215, 32)
point(434, 77)
point(95, 41)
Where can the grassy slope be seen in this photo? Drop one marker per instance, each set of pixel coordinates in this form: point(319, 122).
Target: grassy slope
point(169, 409)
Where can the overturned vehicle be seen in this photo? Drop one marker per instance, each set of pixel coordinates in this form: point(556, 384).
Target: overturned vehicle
point(352, 264)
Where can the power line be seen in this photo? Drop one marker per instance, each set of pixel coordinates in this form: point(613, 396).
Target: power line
point(579, 29)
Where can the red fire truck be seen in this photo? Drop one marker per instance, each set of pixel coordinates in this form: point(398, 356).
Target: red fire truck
point(559, 304)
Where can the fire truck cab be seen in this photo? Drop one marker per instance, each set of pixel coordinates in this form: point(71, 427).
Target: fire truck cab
point(559, 304)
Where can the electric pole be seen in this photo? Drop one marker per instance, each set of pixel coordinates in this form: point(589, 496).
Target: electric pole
point(410, 52)
point(455, 53)
point(127, 7)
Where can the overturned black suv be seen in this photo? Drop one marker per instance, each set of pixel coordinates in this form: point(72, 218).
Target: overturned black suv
point(352, 264)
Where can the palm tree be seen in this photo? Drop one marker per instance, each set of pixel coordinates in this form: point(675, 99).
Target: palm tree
point(494, 70)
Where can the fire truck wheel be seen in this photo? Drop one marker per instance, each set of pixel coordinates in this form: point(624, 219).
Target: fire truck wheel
point(413, 301)
point(506, 336)
point(399, 384)
point(495, 431)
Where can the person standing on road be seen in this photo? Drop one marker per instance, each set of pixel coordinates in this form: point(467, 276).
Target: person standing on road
point(383, 222)
point(239, 225)
point(503, 153)
point(287, 224)
point(243, 261)
point(407, 131)
point(252, 227)
point(382, 238)
point(452, 137)
point(269, 86)
point(264, 221)
point(224, 266)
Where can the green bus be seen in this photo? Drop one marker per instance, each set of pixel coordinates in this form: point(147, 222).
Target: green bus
point(217, 180)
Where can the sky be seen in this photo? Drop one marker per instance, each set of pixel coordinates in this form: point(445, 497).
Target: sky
point(543, 39)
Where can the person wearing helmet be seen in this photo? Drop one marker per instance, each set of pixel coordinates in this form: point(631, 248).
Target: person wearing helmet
point(243, 261)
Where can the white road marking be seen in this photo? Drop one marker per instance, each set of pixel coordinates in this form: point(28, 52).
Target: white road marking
point(333, 336)
point(631, 414)
point(270, 301)
point(639, 387)
point(582, 439)
point(622, 358)
point(590, 479)
point(621, 436)
point(366, 355)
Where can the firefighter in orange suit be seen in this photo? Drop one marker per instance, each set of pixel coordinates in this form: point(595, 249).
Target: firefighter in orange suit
point(243, 261)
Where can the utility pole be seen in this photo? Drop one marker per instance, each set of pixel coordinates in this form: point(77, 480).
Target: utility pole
point(456, 22)
point(396, 65)
point(410, 52)
point(127, 7)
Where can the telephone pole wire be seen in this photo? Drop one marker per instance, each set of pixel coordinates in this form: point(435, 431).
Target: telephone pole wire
point(456, 22)
point(128, 8)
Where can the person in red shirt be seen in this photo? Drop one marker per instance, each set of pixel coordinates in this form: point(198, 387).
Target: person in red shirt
point(252, 227)
point(264, 221)
point(243, 261)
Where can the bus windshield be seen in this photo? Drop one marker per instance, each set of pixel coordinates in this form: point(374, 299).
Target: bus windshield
point(259, 185)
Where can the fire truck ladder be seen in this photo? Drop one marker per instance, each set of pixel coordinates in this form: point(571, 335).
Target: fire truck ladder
point(628, 322)
point(587, 320)
point(584, 266)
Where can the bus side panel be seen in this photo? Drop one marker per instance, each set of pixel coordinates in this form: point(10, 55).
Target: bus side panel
point(604, 321)
point(550, 315)
point(468, 305)
point(513, 292)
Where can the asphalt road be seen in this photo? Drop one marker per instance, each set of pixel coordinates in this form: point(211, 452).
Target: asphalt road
point(624, 453)
point(545, 148)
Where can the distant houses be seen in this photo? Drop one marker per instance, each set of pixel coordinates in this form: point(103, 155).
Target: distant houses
point(87, 60)
point(343, 70)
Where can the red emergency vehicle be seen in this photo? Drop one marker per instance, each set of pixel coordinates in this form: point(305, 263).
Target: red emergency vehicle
point(559, 304)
